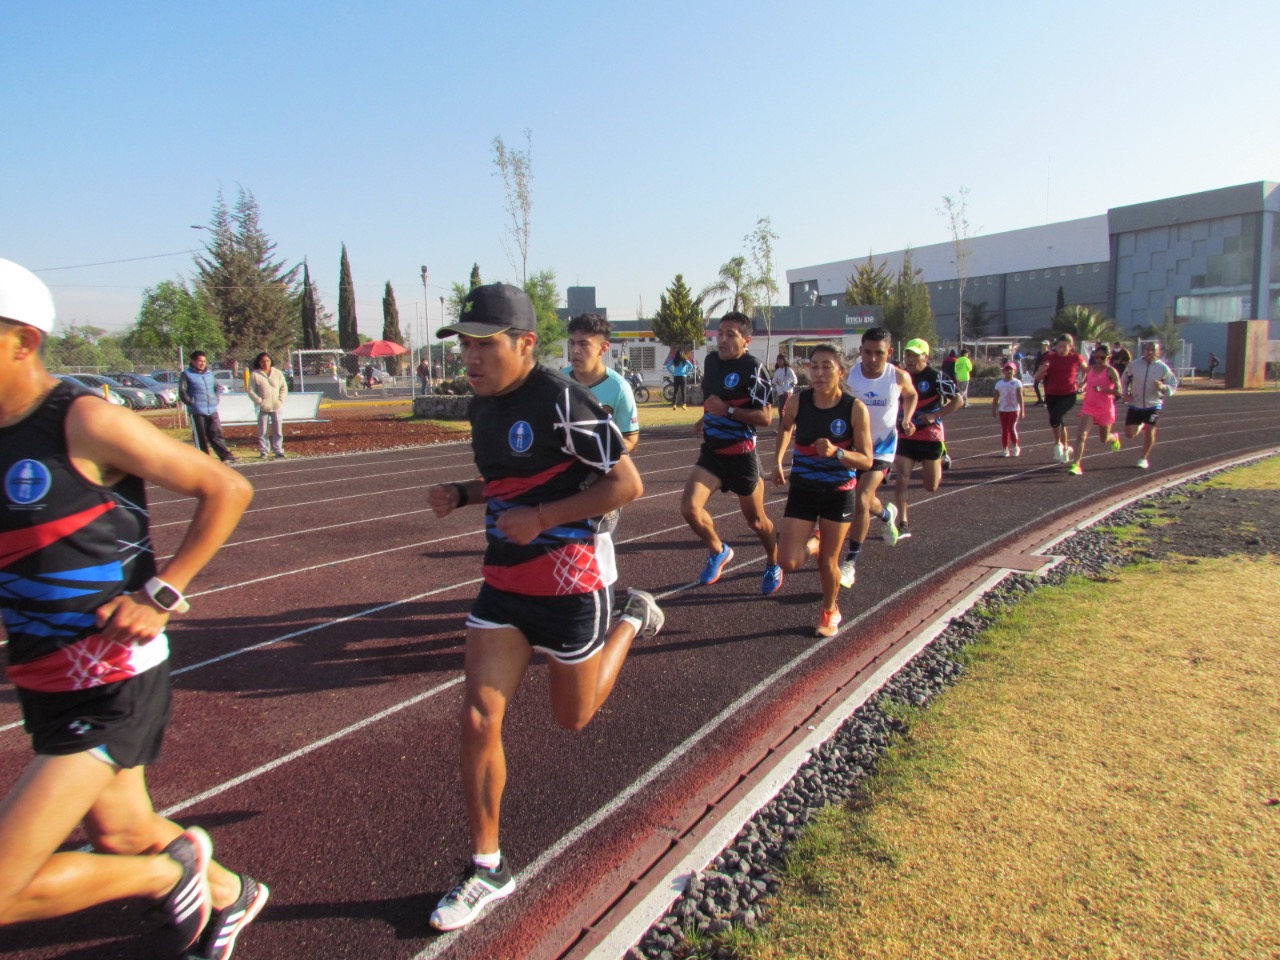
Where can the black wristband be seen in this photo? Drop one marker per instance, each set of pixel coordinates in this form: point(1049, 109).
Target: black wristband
point(463, 498)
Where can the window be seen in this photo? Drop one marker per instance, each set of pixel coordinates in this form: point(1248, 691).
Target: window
point(1079, 270)
point(1017, 278)
point(644, 357)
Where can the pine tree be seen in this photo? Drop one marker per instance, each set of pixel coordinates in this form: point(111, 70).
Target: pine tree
point(310, 319)
point(869, 284)
point(679, 318)
point(475, 276)
point(908, 312)
point(348, 335)
point(253, 295)
point(391, 326)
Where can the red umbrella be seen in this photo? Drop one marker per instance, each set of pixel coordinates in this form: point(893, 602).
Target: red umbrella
point(379, 348)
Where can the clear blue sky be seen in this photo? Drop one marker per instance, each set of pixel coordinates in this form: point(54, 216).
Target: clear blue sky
point(661, 131)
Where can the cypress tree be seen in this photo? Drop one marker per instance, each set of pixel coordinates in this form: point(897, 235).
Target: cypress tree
point(475, 276)
point(391, 326)
point(348, 336)
point(310, 323)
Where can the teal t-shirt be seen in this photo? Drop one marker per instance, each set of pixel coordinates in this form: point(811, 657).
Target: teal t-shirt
point(615, 395)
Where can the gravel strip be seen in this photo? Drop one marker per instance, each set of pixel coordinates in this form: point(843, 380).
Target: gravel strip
point(729, 892)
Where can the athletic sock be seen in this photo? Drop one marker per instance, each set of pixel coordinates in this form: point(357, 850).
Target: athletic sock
point(634, 621)
point(884, 515)
point(855, 548)
point(487, 861)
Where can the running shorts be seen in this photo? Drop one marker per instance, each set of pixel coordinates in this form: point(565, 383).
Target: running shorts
point(738, 473)
point(126, 719)
point(1059, 405)
point(1137, 415)
point(569, 629)
point(919, 451)
point(820, 503)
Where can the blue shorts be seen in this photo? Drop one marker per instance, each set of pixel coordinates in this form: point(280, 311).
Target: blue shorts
point(569, 629)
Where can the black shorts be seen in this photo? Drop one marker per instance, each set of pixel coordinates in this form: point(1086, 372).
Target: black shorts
point(814, 503)
point(919, 450)
point(1145, 415)
point(738, 472)
point(126, 719)
point(1059, 405)
point(569, 629)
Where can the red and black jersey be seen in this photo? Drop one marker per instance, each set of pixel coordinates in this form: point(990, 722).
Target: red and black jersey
point(67, 546)
point(934, 390)
point(743, 383)
point(810, 471)
point(544, 441)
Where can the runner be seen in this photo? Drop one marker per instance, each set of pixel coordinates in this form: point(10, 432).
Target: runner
point(833, 442)
point(936, 397)
point(1146, 383)
point(551, 463)
point(588, 346)
point(737, 400)
point(84, 615)
point(890, 397)
point(1008, 404)
point(1061, 372)
point(1101, 391)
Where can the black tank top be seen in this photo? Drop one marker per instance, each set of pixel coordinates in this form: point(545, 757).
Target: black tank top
point(67, 545)
point(812, 424)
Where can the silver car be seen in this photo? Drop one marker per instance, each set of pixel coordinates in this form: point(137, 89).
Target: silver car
point(134, 397)
point(113, 397)
point(167, 392)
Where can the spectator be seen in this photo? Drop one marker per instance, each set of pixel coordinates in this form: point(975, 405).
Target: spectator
point(964, 369)
point(1213, 364)
point(198, 391)
point(679, 367)
point(424, 375)
point(268, 390)
point(1120, 358)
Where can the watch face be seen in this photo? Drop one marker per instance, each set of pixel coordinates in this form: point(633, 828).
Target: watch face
point(166, 597)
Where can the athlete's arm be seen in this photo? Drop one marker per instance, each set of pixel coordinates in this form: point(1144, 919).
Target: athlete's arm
point(444, 498)
point(105, 443)
point(631, 440)
point(619, 486)
point(860, 456)
point(907, 399)
point(786, 429)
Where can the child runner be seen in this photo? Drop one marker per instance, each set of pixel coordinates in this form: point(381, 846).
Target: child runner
point(1008, 405)
point(1101, 390)
point(833, 442)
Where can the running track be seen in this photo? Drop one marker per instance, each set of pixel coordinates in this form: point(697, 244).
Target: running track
point(318, 676)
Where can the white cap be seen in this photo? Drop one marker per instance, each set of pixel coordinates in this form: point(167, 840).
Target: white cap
point(24, 298)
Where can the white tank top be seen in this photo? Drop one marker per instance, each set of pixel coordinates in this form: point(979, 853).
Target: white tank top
point(881, 397)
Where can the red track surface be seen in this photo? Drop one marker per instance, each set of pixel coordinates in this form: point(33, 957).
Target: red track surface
point(317, 681)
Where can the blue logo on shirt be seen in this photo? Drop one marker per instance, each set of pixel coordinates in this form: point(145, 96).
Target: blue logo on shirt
point(27, 481)
point(839, 428)
point(520, 436)
point(731, 380)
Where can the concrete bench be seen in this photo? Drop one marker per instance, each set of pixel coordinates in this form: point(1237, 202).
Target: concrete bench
point(236, 409)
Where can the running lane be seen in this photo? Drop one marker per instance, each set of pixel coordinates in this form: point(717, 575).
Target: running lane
point(317, 682)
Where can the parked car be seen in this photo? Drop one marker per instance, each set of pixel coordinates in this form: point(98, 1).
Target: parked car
point(167, 392)
point(228, 381)
point(110, 395)
point(166, 376)
point(134, 397)
point(173, 376)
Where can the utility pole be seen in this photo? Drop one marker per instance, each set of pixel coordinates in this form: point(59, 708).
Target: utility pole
point(427, 319)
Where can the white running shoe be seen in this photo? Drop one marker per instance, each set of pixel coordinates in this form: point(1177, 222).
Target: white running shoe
point(1004, 452)
point(848, 573)
point(1142, 464)
point(1057, 454)
point(1017, 450)
point(890, 534)
point(478, 889)
point(1066, 457)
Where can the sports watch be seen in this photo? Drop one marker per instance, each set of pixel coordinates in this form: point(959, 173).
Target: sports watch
point(165, 596)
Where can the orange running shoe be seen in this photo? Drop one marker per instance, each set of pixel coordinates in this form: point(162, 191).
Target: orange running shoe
point(829, 623)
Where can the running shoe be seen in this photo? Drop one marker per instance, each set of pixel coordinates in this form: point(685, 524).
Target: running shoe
point(219, 939)
point(946, 461)
point(479, 888)
point(1017, 450)
point(903, 532)
point(1057, 454)
point(1004, 452)
point(890, 534)
point(715, 564)
point(848, 574)
point(1142, 464)
point(1114, 444)
point(1074, 470)
point(828, 623)
point(1067, 454)
point(641, 605)
point(772, 581)
point(187, 906)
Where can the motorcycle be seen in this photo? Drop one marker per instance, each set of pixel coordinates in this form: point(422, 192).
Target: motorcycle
point(637, 386)
point(669, 383)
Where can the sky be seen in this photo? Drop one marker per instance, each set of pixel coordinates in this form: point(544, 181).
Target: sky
point(661, 133)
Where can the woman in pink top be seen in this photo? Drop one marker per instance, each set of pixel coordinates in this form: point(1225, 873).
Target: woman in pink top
point(1101, 390)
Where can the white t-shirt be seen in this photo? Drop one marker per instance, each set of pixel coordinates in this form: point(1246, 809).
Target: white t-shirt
point(1009, 392)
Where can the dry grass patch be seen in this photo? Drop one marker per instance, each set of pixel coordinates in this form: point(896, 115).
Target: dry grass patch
point(1103, 784)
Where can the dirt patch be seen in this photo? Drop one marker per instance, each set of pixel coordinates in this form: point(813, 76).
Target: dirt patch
point(352, 430)
point(1207, 522)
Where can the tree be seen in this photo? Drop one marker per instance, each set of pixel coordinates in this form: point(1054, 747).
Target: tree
point(979, 317)
point(309, 317)
point(172, 320)
point(1083, 323)
point(869, 284)
point(475, 276)
point(908, 312)
point(541, 288)
point(348, 333)
point(956, 210)
point(1062, 301)
point(252, 295)
point(733, 288)
point(763, 282)
point(679, 319)
point(391, 326)
point(516, 169)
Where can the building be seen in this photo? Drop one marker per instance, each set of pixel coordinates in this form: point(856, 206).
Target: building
point(1207, 258)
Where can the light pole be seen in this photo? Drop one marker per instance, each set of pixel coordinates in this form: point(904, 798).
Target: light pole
point(426, 317)
point(443, 371)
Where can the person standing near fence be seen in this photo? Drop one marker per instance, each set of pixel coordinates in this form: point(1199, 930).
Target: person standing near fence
point(268, 390)
point(198, 391)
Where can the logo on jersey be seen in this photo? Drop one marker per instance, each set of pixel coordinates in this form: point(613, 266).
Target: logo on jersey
point(924, 386)
point(27, 482)
point(731, 381)
point(839, 428)
point(520, 437)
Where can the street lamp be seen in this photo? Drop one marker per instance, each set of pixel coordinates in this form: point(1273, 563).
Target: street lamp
point(427, 322)
point(443, 371)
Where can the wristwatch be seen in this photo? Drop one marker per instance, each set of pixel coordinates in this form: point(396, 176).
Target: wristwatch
point(165, 596)
point(839, 453)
